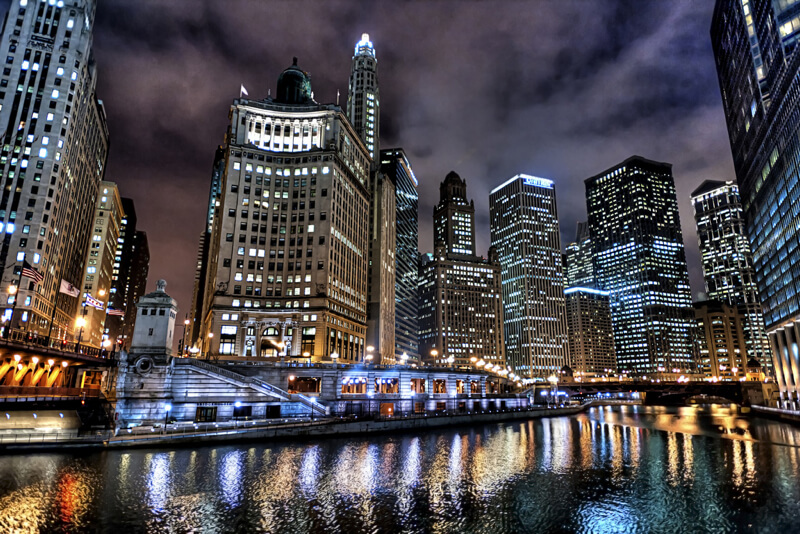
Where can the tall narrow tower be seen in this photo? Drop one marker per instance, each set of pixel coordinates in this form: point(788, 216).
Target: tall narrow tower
point(363, 112)
point(363, 105)
point(524, 227)
point(52, 159)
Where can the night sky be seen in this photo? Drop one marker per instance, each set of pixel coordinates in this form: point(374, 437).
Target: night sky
point(559, 89)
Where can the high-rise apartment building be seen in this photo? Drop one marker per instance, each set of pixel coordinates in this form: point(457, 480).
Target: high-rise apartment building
point(524, 230)
point(728, 262)
point(52, 157)
point(396, 166)
point(591, 337)
point(364, 113)
point(101, 257)
point(755, 43)
point(460, 311)
point(639, 259)
point(288, 252)
point(579, 269)
point(136, 286)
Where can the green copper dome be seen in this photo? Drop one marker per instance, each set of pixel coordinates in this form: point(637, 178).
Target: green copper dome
point(294, 86)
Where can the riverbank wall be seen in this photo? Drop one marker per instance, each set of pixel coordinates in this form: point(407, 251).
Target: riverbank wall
point(312, 429)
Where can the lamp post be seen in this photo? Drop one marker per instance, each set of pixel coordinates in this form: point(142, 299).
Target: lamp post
point(307, 354)
point(184, 349)
point(167, 408)
point(450, 360)
point(434, 354)
point(334, 357)
point(80, 323)
point(208, 350)
point(404, 358)
point(370, 353)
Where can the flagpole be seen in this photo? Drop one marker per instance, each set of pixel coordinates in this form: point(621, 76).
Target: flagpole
point(14, 306)
point(52, 319)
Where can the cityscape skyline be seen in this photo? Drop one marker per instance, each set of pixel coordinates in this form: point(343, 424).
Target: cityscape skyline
point(678, 110)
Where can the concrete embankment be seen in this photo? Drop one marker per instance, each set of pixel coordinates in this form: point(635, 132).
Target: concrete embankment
point(310, 430)
point(787, 416)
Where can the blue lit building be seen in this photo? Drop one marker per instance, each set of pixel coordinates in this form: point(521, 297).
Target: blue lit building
point(754, 43)
point(639, 259)
point(524, 228)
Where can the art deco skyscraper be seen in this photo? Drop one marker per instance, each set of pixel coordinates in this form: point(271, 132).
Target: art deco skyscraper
point(640, 260)
point(524, 228)
point(728, 261)
point(460, 312)
point(758, 67)
point(364, 113)
point(287, 269)
point(363, 97)
point(52, 157)
point(395, 165)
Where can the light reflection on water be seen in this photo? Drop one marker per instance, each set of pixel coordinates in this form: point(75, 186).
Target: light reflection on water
point(626, 469)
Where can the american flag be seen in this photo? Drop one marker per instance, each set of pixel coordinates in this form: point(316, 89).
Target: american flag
point(29, 272)
point(112, 311)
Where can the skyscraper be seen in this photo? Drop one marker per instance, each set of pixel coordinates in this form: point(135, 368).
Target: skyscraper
point(363, 97)
point(591, 337)
point(460, 312)
point(728, 261)
point(364, 114)
point(721, 340)
point(396, 166)
point(100, 259)
point(755, 43)
point(640, 260)
point(579, 269)
point(204, 245)
point(524, 229)
point(288, 252)
point(54, 148)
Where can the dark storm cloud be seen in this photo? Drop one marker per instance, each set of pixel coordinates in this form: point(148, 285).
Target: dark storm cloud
point(561, 89)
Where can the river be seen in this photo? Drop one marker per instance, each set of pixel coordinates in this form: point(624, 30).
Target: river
point(620, 469)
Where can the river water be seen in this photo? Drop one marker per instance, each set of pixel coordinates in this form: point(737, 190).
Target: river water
point(621, 469)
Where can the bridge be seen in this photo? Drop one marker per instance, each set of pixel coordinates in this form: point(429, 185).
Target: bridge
point(37, 367)
point(665, 393)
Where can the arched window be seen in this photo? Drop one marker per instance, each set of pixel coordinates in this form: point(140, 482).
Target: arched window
point(271, 332)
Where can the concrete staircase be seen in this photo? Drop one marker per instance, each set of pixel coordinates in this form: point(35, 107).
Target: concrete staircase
point(253, 383)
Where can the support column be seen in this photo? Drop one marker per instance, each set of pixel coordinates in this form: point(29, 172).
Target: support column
point(777, 363)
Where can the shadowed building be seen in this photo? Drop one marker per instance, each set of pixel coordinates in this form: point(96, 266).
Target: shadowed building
point(721, 340)
point(591, 337)
point(396, 166)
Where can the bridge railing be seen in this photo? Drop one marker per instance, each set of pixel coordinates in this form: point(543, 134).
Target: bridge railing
point(31, 339)
point(30, 391)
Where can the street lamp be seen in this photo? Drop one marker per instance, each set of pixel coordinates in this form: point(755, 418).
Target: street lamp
point(334, 357)
point(434, 354)
point(208, 350)
point(80, 323)
point(307, 354)
point(404, 358)
point(167, 408)
point(450, 360)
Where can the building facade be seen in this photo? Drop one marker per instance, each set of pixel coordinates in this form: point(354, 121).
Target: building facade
point(363, 110)
point(54, 149)
point(460, 293)
point(728, 262)
point(591, 337)
point(722, 345)
point(758, 69)
point(579, 268)
point(288, 252)
point(524, 231)
point(101, 257)
point(640, 260)
point(396, 166)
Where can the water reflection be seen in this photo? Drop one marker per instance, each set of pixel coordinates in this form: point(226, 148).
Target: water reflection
point(624, 469)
